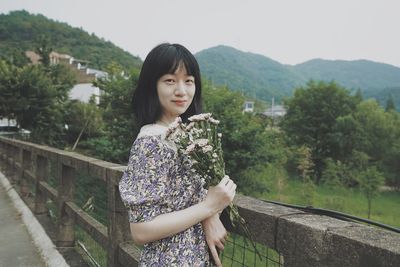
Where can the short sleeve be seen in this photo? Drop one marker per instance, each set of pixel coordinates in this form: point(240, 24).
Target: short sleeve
point(143, 186)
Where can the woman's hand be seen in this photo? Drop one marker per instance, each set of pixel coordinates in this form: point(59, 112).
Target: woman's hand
point(220, 196)
point(216, 235)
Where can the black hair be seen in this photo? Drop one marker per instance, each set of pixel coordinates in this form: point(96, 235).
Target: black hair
point(164, 59)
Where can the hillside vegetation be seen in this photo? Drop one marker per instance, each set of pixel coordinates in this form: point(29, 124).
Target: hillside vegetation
point(21, 31)
point(260, 77)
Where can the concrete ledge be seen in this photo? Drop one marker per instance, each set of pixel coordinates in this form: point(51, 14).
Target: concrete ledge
point(314, 240)
point(46, 248)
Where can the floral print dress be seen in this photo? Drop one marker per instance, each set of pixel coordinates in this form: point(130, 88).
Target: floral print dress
point(157, 181)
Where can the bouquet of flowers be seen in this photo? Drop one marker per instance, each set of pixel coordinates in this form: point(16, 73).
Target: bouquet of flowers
point(200, 141)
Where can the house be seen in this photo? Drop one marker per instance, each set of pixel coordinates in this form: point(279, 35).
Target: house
point(248, 106)
point(83, 89)
point(275, 111)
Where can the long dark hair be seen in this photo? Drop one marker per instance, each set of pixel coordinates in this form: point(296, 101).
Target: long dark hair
point(164, 59)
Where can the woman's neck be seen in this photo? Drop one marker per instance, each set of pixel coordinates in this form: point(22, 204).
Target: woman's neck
point(165, 121)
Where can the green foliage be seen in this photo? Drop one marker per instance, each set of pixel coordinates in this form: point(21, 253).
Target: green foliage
point(19, 31)
point(368, 129)
point(356, 74)
point(390, 104)
point(246, 143)
point(311, 118)
point(85, 117)
point(390, 164)
point(255, 75)
point(35, 96)
point(43, 49)
point(370, 182)
point(385, 95)
point(120, 126)
point(345, 173)
point(260, 77)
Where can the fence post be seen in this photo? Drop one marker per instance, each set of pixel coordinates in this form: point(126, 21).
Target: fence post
point(12, 169)
point(3, 154)
point(118, 226)
point(66, 188)
point(26, 165)
point(7, 154)
point(41, 175)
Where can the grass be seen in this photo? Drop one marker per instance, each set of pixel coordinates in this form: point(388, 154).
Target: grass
point(385, 207)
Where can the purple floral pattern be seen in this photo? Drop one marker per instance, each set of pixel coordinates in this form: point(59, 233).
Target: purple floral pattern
point(156, 181)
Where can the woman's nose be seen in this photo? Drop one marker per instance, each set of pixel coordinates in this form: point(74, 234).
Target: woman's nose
point(180, 88)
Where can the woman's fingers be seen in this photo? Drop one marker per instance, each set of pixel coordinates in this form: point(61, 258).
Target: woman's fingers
point(220, 245)
point(215, 256)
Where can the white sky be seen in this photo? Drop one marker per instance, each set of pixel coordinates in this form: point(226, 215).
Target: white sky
point(289, 31)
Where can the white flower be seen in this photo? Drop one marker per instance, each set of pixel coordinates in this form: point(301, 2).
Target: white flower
point(214, 155)
point(190, 126)
point(201, 142)
point(213, 121)
point(200, 117)
point(190, 148)
point(207, 148)
point(219, 134)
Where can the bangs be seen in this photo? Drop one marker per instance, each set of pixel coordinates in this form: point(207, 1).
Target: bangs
point(174, 58)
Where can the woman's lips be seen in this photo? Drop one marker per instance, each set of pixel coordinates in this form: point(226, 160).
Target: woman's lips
point(179, 102)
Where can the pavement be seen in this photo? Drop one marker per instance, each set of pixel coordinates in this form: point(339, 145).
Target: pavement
point(23, 242)
point(16, 245)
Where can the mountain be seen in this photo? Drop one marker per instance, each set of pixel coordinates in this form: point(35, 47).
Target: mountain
point(253, 74)
point(261, 77)
point(357, 74)
point(21, 31)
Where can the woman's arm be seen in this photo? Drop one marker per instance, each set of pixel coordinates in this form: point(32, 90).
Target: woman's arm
point(169, 224)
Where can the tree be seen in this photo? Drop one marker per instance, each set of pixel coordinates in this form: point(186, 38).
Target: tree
point(8, 94)
point(370, 182)
point(305, 167)
point(120, 126)
point(311, 117)
point(390, 104)
point(43, 49)
point(374, 131)
point(35, 96)
point(83, 120)
point(248, 147)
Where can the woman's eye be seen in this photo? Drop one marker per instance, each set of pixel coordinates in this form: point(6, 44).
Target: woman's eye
point(169, 81)
point(190, 81)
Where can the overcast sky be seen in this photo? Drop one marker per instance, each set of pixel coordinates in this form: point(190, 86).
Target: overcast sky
point(289, 31)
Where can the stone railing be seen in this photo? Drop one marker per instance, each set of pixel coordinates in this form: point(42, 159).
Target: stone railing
point(302, 239)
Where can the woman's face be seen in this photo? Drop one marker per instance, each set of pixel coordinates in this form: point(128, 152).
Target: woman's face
point(175, 92)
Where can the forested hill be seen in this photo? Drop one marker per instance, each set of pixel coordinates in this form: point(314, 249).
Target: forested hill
point(21, 31)
point(363, 74)
point(253, 74)
point(262, 77)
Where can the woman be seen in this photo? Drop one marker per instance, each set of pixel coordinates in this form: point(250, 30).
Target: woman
point(170, 212)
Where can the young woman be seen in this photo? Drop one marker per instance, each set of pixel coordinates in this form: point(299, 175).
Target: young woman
point(170, 212)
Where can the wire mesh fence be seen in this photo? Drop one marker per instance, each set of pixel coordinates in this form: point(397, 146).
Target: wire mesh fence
point(239, 252)
point(91, 196)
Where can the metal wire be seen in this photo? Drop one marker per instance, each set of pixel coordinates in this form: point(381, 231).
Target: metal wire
point(334, 214)
point(239, 252)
